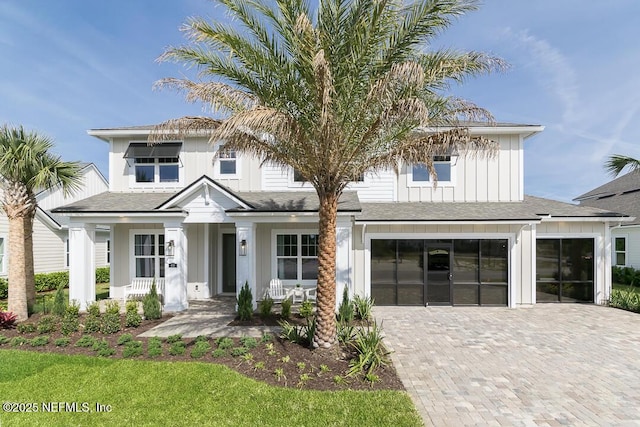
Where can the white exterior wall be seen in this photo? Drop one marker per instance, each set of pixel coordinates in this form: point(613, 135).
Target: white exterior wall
point(632, 235)
point(92, 182)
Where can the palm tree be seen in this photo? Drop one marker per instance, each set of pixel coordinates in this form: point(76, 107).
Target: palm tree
point(26, 166)
point(332, 92)
point(617, 163)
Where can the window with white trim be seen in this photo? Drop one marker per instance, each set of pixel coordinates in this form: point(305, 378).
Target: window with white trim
point(148, 253)
point(297, 256)
point(620, 251)
point(443, 166)
point(2, 256)
point(227, 161)
point(66, 252)
point(154, 164)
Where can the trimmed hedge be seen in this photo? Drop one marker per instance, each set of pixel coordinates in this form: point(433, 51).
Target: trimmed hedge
point(102, 275)
point(51, 281)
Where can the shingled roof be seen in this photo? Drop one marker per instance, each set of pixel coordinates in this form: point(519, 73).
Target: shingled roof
point(621, 195)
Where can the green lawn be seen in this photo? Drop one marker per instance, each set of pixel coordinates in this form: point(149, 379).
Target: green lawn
point(46, 298)
point(160, 393)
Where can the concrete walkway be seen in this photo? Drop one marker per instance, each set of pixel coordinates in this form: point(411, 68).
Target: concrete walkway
point(547, 365)
point(209, 318)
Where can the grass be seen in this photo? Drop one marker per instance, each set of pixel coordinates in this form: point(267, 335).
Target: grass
point(159, 393)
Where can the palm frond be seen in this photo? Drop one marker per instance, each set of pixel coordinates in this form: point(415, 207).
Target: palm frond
point(616, 163)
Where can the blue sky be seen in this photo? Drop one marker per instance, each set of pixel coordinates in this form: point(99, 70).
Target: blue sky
point(72, 65)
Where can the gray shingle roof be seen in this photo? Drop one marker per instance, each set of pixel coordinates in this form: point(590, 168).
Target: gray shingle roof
point(621, 195)
point(532, 208)
point(294, 201)
point(117, 202)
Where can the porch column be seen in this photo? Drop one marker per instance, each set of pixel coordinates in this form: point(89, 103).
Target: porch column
point(246, 264)
point(82, 264)
point(175, 268)
point(344, 259)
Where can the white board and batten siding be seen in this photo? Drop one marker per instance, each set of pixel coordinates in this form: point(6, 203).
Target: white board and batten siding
point(631, 235)
point(92, 183)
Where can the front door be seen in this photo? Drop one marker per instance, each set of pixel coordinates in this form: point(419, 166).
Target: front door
point(229, 263)
point(438, 273)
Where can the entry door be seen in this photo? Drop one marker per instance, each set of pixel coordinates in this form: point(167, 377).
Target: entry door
point(438, 272)
point(229, 263)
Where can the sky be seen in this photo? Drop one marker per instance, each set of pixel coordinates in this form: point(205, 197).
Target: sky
point(67, 66)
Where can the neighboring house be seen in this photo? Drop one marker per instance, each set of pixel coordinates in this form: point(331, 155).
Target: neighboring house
point(620, 195)
point(208, 223)
point(50, 231)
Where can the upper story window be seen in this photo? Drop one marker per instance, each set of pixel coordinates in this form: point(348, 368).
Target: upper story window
point(226, 164)
point(443, 166)
point(158, 163)
point(227, 161)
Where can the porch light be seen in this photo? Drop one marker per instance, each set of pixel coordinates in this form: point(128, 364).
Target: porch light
point(243, 247)
point(170, 248)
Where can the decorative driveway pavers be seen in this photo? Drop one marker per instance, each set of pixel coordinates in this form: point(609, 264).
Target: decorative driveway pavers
point(547, 365)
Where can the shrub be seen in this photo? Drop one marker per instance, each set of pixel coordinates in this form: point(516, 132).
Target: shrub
point(51, 281)
point(245, 303)
point(219, 352)
point(46, 324)
point(110, 323)
point(224, 343)
point(92, 323)
point(200, 349)
point(102, 348)
point(201, 338)
point(306, 309)
point(133, 319)
point(151, 304)
point(39, 341)
point(102, 275)
point(154, 347)
point(285, 306)
point(626, 299)
point(26, 328)
point(265, 307)
point(86, 341)
point(345, 311)
point(4, 288)
point(71, 319)
point(112, 307)
point(7, 319)
point(62, 342)
point(132, 349)
point(177, 348)
point(59, 302)
point(299, 334)
point(3, 339)
point(238, 351)
point(345, 332)
point(18, 341)
point(370, 351)
point(94, 309)
point(363, 307)
point(249, 342)
point(174, 338)
point(125, 338)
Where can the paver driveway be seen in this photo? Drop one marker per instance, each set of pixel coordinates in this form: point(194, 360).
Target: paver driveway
point(546, 365)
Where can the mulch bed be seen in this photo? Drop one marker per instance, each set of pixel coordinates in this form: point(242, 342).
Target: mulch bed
point(277, 362)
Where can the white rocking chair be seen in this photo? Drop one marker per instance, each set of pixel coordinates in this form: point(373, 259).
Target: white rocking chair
point(276, 291)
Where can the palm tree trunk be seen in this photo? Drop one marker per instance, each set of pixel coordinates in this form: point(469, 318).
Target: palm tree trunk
point(325, 333)
point(21, 281)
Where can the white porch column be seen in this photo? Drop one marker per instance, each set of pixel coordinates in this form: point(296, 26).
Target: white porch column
point(82, 264)
point(175, 268)
point(604, 288)
point(344, 259)
point(246, 264)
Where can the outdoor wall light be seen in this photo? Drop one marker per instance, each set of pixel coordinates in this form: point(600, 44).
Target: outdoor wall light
point(243, 247)
point(171, 248)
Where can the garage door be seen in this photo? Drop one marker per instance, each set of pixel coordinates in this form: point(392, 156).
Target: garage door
point(564, 270)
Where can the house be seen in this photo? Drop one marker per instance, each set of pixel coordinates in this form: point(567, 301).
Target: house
point(620, 195)
point(50, 231)
point(207, 223)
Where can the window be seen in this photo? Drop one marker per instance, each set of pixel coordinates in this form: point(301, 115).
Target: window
point(148, 251)
point(565, 270)
point(108, 251)
point(164, 169)
point(297, 256)
point(159, 163)
point(620, 251)
point(442, 165)
point(227, 160)
point(2, 256)
point(66, 252)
